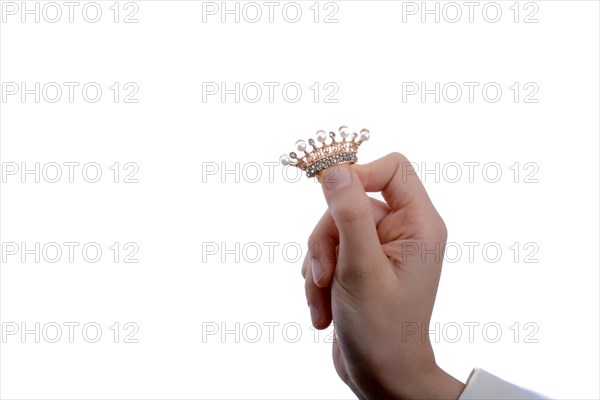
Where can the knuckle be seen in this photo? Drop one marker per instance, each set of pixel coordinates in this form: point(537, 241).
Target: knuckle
point(314, 244)
point(398, 158)
point(401, 163)
point(313, 240)
point(438, 228)
point(443, 230)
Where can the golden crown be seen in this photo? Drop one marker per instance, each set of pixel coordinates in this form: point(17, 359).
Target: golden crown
point(328, 154)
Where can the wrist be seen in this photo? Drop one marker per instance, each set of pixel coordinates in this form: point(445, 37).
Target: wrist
point(435, 384)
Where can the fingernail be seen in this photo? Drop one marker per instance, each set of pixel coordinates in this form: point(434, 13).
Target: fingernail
point(317, 270)
point(315, 315)
point(337, 177)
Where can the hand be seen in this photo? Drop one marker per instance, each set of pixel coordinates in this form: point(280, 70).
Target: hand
point(374, 268)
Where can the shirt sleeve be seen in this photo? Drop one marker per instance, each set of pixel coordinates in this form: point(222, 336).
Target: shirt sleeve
point(483, 385)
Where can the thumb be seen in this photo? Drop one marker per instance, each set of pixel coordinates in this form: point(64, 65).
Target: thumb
point(350, 208)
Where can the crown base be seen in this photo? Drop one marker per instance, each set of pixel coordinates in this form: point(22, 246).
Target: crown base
point(330, 161)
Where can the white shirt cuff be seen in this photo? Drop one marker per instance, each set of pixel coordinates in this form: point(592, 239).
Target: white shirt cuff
point(483, 385)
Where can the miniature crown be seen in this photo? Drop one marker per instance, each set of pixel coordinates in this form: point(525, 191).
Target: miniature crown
point(328, 154)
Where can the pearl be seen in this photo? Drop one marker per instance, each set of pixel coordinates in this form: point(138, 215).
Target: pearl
point(285, 160)
point(344, 131)
point(365, 135)
point(301, 145)
point(321, 136)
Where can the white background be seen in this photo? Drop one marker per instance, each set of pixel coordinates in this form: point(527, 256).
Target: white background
point(185, 207)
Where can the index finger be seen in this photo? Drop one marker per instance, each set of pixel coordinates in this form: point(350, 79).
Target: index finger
point(393, 176)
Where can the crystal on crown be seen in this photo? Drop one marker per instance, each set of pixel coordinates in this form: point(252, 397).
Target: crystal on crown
point(313, 158)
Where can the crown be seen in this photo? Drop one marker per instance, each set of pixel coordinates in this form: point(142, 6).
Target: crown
point(328, 154)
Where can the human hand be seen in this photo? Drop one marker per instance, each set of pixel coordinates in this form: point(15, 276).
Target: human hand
point(374, 268)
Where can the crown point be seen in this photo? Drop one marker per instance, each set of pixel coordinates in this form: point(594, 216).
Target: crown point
point(344, 131)
point(332, 135)
point(301, 145)
point(311, 142)
point(354, 136)
point(285, 160)
point(365, 134)
point(321, 136)
point(293, 155)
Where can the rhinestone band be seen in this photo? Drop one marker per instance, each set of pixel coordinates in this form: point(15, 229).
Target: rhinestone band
point(330, 161)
